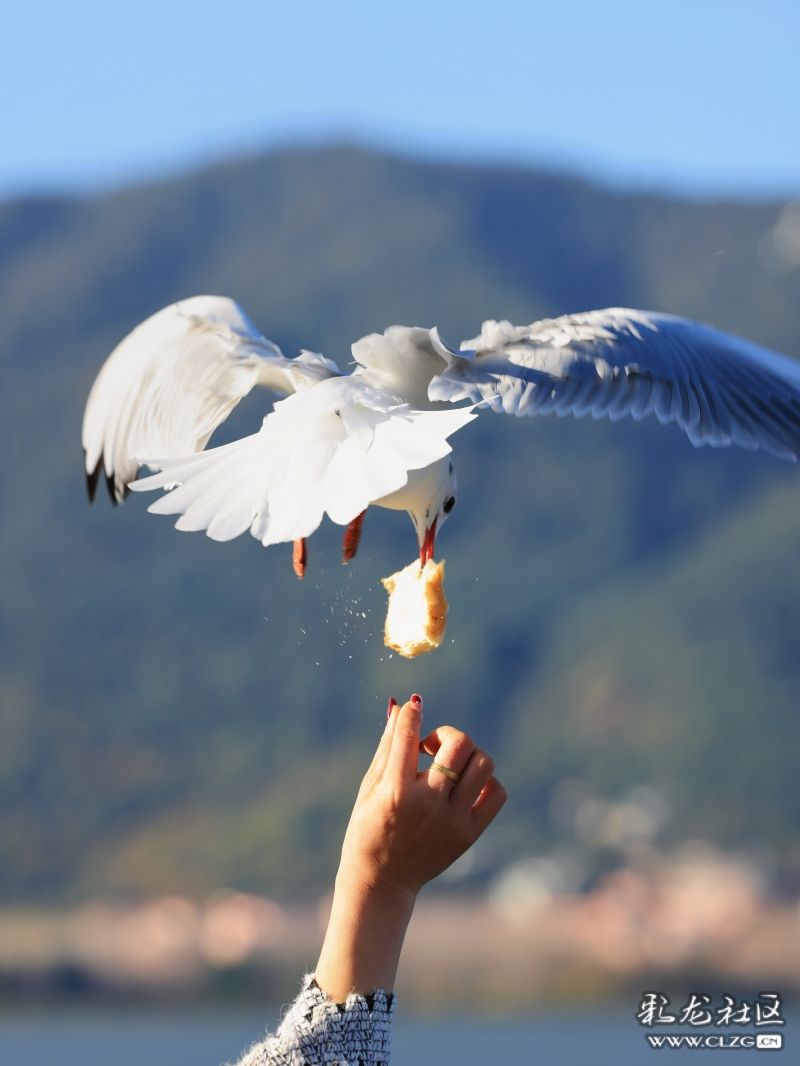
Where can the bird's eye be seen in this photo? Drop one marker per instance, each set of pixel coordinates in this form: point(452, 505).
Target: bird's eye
point(449, 504)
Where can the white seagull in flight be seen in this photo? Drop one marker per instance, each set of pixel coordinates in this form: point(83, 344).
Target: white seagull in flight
point(379, 435)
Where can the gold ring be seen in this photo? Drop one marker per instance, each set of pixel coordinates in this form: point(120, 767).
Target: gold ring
point(445, 770)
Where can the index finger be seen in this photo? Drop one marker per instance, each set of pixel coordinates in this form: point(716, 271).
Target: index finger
point(401, 764)
point(376, 767)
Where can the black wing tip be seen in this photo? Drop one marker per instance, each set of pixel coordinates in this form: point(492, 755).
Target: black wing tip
point(92, 477)
point(116, 494)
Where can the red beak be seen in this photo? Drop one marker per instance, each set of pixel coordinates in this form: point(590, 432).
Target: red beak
point(428, 543)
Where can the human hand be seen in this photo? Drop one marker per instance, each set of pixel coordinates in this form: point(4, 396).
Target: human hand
point(407, 826)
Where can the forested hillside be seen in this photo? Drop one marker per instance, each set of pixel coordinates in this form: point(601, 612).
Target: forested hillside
point(625, 610)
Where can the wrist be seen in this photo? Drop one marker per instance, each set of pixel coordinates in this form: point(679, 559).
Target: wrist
point(364, 939)
point(376, 894)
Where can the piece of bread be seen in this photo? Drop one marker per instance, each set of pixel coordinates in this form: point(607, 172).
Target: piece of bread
point(416, 615)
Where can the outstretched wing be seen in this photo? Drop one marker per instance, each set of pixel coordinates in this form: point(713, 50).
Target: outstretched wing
point(330, 450)
point(168, 385)
point(718, 388)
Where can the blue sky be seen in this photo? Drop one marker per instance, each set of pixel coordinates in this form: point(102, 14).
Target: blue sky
point(699, 97)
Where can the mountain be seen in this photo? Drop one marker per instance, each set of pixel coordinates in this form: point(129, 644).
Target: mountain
point(178, 714)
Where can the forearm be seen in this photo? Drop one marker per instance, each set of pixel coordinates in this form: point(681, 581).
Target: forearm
point(364, 939)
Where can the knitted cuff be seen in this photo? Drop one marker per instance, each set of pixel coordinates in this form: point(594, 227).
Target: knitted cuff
point(315, 1031)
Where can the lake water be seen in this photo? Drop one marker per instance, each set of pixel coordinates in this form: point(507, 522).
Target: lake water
point(209, 1039)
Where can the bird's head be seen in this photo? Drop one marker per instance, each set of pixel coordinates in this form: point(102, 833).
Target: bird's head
point(440, 499)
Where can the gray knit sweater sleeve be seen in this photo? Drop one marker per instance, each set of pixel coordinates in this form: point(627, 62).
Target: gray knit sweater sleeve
point(315, 1031)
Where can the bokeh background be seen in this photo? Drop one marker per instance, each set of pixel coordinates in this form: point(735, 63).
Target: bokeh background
point(182, 723)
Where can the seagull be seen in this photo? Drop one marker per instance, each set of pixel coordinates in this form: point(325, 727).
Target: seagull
point(338, 443)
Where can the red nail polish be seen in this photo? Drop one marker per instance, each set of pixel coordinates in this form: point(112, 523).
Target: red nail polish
point(391, 705)
point(417, 701)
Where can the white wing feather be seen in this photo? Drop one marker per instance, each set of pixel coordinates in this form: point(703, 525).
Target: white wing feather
point(404, 360)
point(330, 450)
point(718, 388)
point(168, 385)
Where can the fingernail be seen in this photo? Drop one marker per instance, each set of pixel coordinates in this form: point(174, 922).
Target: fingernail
point(417, 701)
point(391, 705)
